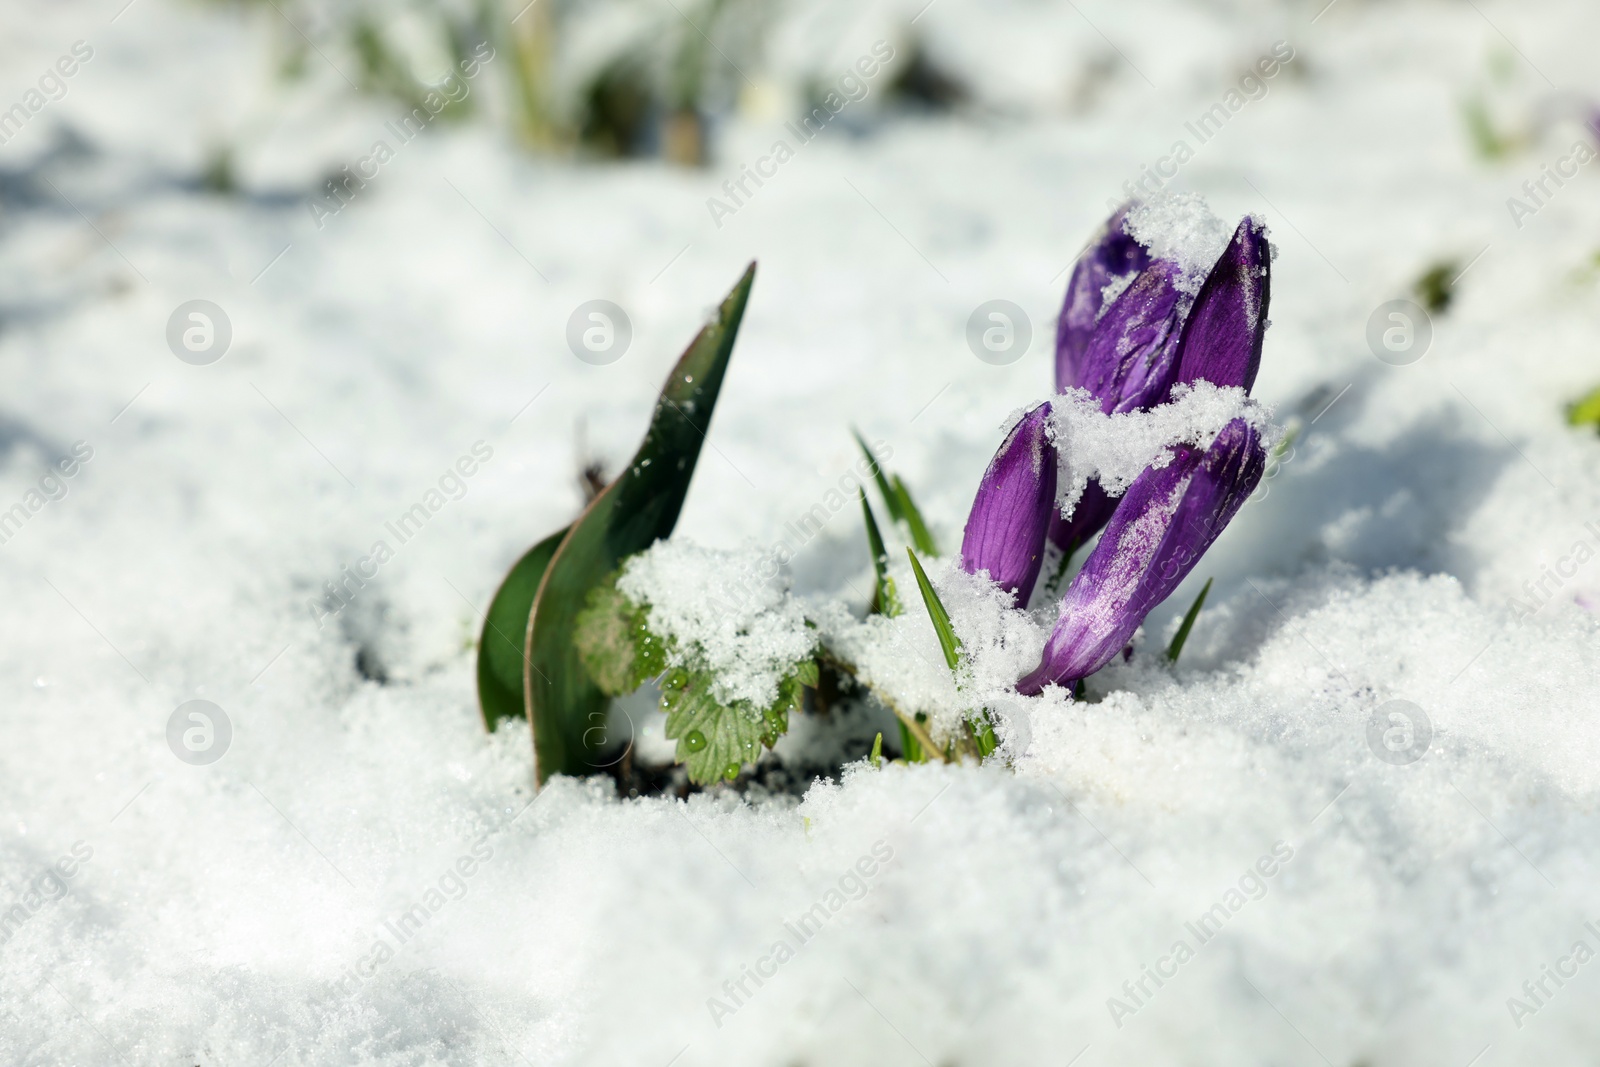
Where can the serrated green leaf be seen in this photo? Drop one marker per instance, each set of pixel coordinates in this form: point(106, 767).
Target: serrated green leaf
point(505, 631)
point(948, 641)
point(614, 641)
point(885, 600)
point(920, 536)
point(628, 516)
point(714, 740)
point(1189, 616)
point(807, 673)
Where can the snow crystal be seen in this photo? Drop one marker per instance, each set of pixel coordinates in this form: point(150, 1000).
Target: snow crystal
point(1116, 449)
point(729, 612)
point(1180, 227)
point(1113, 289)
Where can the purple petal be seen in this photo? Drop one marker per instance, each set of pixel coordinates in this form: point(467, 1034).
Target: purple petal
point(1222, 339)
point(1113, 254)
point(1130, 360)
point(1006, 529)
point(1164, 524)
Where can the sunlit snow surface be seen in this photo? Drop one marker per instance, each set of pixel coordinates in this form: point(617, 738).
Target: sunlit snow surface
point(255, 910)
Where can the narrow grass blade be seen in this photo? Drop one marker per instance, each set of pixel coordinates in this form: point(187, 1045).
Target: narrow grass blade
point(876, 759)
point(885, 600)
point(910, 748)
point(889, 500)
point(1188, 623)
point(919, 529)
point(948, 641)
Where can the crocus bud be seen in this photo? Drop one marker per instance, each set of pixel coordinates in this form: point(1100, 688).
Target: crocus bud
point(1006, 530)
point(1222, 338)
point(1163, 525)
point(1131, 358)
point(1113, 254)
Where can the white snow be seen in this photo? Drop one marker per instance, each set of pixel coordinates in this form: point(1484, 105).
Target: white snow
point(1117, 448)
point(727, 612)
point(1180, 227)
point(1418, 544)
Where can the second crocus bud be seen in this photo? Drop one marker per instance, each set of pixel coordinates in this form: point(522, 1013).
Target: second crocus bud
point(1006, 529)
point(1163, 525)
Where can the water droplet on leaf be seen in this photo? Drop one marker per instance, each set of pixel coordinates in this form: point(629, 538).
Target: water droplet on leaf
point(694, 741)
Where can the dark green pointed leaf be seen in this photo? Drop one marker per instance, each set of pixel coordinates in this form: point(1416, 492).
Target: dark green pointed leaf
point(878, 476)
point(628, 516)
point(919, 529)
point(500, 662)
point(948, 641)
point(1189, 616)
point(910, 747)
point(885, 600)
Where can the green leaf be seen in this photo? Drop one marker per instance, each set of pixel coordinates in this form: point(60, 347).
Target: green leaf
point(715, 741)
point(983, 730)
point(910, 747)
point(889, 500)
point(948, 641)
point(1586, 411)
point(1188, 623)
point(505, 629)
point(613, 638)
point(628, 516)
point(876, 759)
point(885, 600)
point(919, 529)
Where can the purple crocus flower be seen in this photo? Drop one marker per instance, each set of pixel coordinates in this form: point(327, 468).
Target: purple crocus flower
point(1163, 525)
point(1131, 354)
point(1006, 529)
point(1114, 253)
